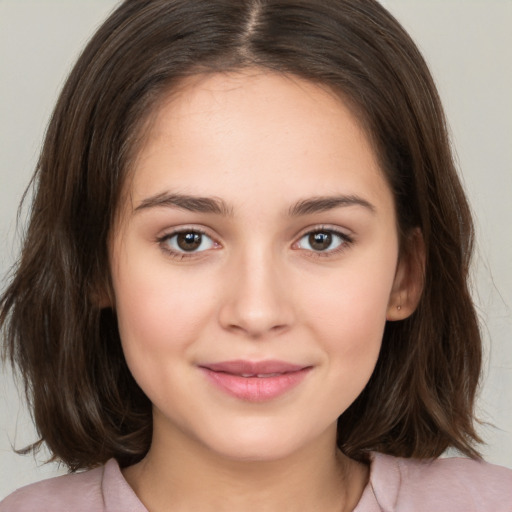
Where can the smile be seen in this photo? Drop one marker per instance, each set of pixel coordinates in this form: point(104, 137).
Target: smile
point(255, 381)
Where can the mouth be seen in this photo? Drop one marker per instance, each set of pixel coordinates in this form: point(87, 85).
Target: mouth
point(255, 381)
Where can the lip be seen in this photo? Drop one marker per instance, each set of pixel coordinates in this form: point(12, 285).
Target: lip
point(252, 381)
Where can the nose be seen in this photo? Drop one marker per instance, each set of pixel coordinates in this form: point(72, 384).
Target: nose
point(256, 298)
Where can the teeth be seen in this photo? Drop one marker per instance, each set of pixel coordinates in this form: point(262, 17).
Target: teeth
point(260, 375)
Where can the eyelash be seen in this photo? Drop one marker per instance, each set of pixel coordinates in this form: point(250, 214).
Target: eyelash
point(179, 255)
point(345, 242)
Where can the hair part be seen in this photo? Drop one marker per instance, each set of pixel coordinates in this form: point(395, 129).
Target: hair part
point(86, 405)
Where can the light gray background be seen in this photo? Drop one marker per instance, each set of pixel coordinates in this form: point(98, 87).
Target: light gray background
point(468, 44)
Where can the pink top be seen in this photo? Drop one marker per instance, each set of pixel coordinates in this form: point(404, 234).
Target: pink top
point(396, 485)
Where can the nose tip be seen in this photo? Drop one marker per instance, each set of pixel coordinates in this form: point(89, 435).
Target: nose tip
point(255, 324)
point(256, 303)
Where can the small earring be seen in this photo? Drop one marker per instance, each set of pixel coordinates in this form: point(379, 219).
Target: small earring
point(399, 307)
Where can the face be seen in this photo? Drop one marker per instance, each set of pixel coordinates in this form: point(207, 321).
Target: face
point(254, 264)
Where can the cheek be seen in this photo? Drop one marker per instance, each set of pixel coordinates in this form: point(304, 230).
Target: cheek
point(352, 302)
point(159, 317)
point(349, 325)
point(348, 315)
point(158, 312)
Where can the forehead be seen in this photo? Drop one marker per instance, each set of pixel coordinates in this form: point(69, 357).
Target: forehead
point(248, 132)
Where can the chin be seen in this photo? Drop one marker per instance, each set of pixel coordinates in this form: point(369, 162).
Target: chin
point(258, 451)
point(263, 443)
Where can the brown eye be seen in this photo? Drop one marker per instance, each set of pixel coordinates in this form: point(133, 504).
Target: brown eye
point(323, 241)
point(189, 241)
point(320, 241)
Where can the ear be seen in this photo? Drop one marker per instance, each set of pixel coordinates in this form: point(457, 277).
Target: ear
point(102, 296)
point(409, 278)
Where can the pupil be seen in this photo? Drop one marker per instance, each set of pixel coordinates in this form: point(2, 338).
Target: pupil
point(320, 241)
point(189, 241)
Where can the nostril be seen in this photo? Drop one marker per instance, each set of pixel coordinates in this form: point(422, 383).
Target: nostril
point(255, 303)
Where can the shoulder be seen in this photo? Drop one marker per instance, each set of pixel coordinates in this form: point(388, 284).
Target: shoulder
point(78, 492)
point(458, 483)
point(103, 489)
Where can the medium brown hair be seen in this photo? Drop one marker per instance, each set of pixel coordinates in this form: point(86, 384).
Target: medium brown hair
point(86, 405)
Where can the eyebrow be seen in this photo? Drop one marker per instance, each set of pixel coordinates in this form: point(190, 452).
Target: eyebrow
point(186, 202)
point(219, 207)
point(325, 203)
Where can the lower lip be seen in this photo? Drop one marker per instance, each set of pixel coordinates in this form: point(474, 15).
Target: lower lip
point(256, 389)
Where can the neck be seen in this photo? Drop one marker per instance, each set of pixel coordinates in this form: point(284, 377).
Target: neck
point(190, 477)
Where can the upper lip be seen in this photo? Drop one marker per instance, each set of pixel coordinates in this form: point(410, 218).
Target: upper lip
point(241, 367)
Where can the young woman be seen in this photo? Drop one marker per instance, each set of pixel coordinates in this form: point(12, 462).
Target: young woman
point(244, 281)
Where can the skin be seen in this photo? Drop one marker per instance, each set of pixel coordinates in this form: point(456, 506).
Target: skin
point(256, 289)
